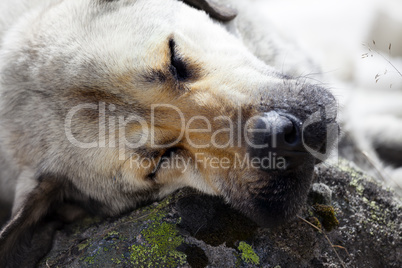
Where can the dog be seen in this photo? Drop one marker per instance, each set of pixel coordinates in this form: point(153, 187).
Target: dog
point(107, 105)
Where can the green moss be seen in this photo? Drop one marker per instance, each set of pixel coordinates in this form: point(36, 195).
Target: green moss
point(161, 240)
point(146, 238)
point(164, 235)
point(316, 222)
point(113, 233)
point(374, 206)
point(90, 260)
point(116, 261)
point(157, 213)
point(327, 215)
point(344, 165)
point(247, 253)
point(355, 182)
point(114, 236)
point(357, 177)
point(83, 245)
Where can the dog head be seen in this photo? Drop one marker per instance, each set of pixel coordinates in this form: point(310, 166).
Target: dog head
point(130, 97)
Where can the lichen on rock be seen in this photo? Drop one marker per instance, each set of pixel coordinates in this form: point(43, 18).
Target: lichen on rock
point(247, 253)
point(159, 248)
point(192, 230)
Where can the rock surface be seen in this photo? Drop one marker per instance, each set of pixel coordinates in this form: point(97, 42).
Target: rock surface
point(361, 228)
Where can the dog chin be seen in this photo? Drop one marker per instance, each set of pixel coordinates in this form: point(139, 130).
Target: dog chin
point(272, 214)
point(279, 201)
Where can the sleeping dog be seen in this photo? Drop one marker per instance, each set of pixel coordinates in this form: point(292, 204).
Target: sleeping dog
point(106, 105)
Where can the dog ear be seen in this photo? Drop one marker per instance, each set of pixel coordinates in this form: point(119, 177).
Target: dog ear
point(216, 10)
point(16, 247)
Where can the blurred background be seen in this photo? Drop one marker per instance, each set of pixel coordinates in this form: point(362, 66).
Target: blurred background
point(358, 45)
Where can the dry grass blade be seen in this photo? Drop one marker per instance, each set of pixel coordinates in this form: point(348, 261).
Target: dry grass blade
point(387, 60)
point(347, 252)
point(326, 237)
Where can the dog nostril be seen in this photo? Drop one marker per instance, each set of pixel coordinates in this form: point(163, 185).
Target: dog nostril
point(277, 132)
point(282, 131)
point(277, 141)
point(291, 134)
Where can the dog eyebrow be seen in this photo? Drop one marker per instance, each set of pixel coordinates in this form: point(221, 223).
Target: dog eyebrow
point(154, 75)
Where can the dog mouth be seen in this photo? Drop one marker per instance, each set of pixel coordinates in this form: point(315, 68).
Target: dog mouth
point(275, 198)
point(274, 184)
point(277, 149)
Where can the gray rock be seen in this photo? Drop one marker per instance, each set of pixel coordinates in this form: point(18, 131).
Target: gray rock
point(321, 194)
point(192, 230)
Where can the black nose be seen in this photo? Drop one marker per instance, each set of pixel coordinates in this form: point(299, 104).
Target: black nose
point(277, 136)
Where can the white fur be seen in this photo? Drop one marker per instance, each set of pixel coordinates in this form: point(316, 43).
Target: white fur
point(73, 38)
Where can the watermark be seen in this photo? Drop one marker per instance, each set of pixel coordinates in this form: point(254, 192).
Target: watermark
point(130, 132)
point(204, 162)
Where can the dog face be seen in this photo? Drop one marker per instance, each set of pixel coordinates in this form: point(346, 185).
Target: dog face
point(131, 100)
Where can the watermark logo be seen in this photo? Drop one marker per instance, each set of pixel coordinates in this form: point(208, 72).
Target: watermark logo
point(203, 162)
point(128, 133)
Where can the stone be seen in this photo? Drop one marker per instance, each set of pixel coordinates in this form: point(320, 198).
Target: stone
point(192, 230)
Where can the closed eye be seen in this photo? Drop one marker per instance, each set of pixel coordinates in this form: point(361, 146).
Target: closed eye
point(178, 67)
point(166, 156)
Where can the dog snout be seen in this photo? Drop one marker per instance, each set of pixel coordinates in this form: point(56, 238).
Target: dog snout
point(278, 135)
point(280, 131)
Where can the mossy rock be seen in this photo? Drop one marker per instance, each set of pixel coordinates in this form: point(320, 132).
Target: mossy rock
point(192, 230)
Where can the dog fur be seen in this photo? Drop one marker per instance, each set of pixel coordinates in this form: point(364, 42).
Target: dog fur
point(80, 59)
